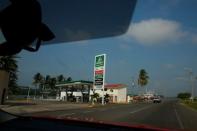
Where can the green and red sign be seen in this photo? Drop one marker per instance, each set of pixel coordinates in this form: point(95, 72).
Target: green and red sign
point(99, 70)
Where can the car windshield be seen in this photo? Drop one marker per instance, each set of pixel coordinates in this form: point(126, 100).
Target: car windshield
point(145, 76)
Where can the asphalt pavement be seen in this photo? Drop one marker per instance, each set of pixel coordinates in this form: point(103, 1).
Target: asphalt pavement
point(168, 114)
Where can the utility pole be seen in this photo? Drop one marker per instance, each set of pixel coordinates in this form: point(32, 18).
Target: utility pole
point(192, 82)
point(28, 94)
point(35, 92)
point(133, 82)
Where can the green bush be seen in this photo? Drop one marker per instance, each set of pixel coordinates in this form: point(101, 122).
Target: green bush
point(184, 95)
point(191, 104)
point(195, 98)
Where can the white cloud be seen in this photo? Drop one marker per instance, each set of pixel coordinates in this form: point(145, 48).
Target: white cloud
point(124, 46)
point(155, 31)
point(180, 78)
point(194, 38)
point(169, 66)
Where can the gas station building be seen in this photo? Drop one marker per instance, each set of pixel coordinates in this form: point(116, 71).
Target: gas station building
point(81, 91)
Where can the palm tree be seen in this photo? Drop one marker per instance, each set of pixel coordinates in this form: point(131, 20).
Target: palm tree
point(38, 80)
point(47, 81)
point(52, 83)
point(69, 79)
point(44, 85)
point(9, 64)
point(95, 97)
point(53, 89)
point(106, 98)
point(60, 78)
point(143, 78)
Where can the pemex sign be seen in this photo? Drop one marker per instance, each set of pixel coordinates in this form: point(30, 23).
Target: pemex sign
point(99, 71)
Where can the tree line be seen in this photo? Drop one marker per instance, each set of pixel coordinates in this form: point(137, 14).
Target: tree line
point(48, 82)
point(9, 64)
point(184, 95)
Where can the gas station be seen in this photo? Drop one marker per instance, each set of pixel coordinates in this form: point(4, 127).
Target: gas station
point(75, 91)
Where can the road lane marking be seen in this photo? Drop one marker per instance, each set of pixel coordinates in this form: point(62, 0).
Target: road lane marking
point(178, 119)
point(139, 110)
point(65, 115)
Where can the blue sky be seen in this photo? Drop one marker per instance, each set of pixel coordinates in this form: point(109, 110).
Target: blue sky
point(162, 39)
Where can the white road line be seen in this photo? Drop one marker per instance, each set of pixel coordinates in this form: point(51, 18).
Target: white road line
point(139, 110)
point(87, 111)
point(178, 119)
point(64, 115)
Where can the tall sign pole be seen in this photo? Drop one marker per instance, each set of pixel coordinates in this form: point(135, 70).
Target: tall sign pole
point(99, 73)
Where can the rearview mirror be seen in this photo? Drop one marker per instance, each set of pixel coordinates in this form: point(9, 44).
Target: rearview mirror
point(25, 21)
point(75, 20)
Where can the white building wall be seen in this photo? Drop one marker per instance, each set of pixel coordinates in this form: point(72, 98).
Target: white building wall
point(119, 95)
point(100, 92)
point(77, 94)
point(62, 95)
point(122, 95)
point(113, 92)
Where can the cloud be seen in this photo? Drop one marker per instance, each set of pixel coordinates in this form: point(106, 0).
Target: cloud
point(169, 66)
point(124, 46)
point(180, 78)
point(194, 38)
point(155, 31)
point(183, 79)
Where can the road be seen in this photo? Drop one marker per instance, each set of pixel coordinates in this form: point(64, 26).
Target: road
point(168, 114)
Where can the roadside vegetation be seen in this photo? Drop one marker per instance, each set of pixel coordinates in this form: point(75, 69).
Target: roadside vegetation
point(45, 85)
point(191, 104)
point(185, 99)
point(143, 78)
point(9, 64)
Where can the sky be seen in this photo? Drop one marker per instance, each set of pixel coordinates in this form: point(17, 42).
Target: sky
point(162, 39)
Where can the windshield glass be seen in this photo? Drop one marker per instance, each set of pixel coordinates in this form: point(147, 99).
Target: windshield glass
point(147, 76)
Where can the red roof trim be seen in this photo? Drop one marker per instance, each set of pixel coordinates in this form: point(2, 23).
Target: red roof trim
point(115, 86)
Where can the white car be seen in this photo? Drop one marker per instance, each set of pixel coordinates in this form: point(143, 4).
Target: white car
point(157, 100)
